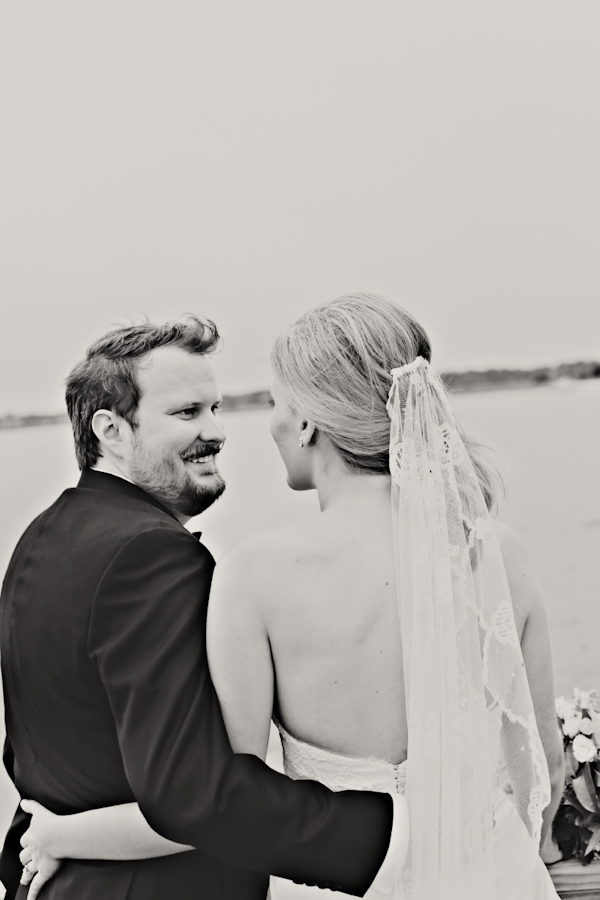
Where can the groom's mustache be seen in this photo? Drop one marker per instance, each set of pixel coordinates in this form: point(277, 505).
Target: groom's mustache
point(203, 448)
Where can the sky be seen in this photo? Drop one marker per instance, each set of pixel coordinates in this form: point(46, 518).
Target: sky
point(247, 161)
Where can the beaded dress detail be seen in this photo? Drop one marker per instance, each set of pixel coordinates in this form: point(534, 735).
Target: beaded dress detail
point(339, 772)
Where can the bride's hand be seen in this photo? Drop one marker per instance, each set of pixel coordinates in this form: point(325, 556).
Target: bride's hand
point(36, 856)
point(550, 851)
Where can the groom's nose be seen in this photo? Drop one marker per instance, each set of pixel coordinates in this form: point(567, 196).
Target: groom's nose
point(212, 431)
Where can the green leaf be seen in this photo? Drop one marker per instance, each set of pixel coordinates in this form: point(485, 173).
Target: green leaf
point(570, 799)
point(589, 780)
point(571, 764)
point(593, 841)
point(588, 800)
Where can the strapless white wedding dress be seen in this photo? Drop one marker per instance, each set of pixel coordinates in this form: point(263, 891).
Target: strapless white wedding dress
point(520, 872)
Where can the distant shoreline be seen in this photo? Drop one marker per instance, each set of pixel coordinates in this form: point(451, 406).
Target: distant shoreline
point(459, 382)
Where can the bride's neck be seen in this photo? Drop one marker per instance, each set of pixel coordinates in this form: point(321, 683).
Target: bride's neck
point(342, 490)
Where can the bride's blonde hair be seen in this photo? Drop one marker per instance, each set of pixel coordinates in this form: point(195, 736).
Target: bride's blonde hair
point(333, 366)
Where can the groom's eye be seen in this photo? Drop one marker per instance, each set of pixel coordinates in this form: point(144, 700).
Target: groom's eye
point(188, 413)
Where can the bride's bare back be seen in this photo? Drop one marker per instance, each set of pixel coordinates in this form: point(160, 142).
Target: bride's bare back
point(334, 633)
point(303, 624)
point(321, 596)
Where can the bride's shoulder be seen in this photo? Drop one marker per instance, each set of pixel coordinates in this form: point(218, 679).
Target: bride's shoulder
point(264, 544)
point(525, 590)
point(512, 547)
point(257, 564)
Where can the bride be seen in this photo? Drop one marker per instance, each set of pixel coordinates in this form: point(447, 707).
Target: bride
point(399, 638)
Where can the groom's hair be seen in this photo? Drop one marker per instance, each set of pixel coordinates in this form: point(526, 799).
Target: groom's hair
point(107, 377)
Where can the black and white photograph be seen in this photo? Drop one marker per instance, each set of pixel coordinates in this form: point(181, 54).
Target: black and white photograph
point(299, 443)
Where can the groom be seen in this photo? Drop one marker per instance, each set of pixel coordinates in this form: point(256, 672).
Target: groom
point(107, 689)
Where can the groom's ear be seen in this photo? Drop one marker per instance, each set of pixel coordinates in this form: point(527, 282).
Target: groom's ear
point(108, 428)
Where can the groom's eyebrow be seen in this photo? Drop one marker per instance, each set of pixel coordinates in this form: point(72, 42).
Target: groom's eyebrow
point(186, 404)
point(196, 404)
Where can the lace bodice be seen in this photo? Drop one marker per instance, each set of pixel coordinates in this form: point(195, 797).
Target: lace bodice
point(339, 772)
point(519, 871)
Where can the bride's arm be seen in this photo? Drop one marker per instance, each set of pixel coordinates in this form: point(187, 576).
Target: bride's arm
point(532, 626)
point(112, 832)
point(239, 652)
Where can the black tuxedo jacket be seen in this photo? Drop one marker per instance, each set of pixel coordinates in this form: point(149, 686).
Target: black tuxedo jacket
point(109, 700)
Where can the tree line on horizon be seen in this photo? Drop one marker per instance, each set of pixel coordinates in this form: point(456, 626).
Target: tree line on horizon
point(476, 380)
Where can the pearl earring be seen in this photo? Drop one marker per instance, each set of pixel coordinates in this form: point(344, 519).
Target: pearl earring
point(301, 442)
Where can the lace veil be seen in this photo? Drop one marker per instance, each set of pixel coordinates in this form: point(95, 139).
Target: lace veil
point(469, 709)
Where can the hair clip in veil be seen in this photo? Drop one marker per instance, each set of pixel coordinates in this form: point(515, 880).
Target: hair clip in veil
point(469, 711)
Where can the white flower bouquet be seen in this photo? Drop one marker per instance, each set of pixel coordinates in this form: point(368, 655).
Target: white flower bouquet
point(577, 824)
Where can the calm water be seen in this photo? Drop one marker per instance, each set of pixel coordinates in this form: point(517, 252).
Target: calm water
point(550, 439)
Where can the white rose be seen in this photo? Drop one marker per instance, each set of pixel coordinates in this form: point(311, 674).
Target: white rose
point(582, 698)
point(571, 726)
point(586, 726)
point(583, 749)
point(596, 726)
point(564, 708)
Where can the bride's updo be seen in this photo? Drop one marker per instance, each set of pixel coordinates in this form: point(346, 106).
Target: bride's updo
point(333, 366)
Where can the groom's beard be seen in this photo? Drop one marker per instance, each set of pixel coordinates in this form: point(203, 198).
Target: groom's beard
point(173, 480)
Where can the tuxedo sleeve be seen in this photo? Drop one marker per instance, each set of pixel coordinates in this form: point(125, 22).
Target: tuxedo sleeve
point(147, 634)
